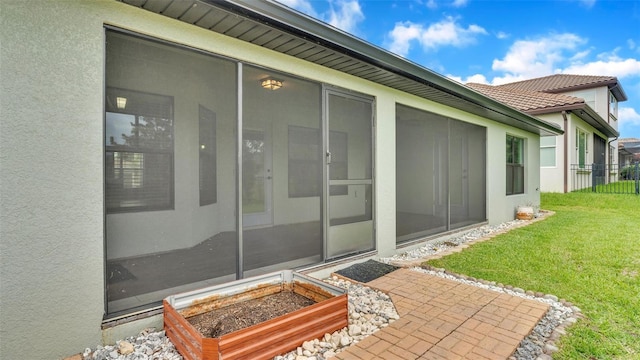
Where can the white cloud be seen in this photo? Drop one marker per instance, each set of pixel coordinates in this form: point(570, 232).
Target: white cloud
point(433, 4)
point(631, 44)
point(608, 54)
point(402, 35)
point(477, 78)
point(459, 3)
point(559, 53)
point(537, 57)
point(580, 55)
point(628, 116)
point(502, 35)
point(444, 33)
point(509, 78)
point(588, 3)
point(345, 15)
point(614, 66)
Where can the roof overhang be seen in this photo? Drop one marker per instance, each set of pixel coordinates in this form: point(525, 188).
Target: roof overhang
point(633, 148)
point(586, 113)
point(618, 92)
point(274, 26)
point(592, 118)
point(623, 151)
point(612, 84)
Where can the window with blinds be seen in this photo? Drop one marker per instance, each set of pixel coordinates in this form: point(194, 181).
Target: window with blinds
point(138, 151)
point(515, 165)
point(548, 151)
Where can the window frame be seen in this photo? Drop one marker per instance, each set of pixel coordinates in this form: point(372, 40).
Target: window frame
point(549, 146)
point(613, 106)
point(137, 148)
point(515, 165)
point(612, 155)
point(582, 160)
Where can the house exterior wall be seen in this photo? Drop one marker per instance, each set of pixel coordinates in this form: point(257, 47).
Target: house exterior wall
point(598, 99)
point(552, 177)
point(52, 233)
point(51, 207)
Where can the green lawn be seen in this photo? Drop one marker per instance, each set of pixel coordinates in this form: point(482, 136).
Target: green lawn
point(587, 253)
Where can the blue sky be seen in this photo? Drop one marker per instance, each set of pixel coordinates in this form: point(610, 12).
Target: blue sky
point(495, 42)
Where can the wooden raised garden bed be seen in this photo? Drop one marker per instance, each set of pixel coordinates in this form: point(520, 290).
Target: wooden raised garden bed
point(266, 339)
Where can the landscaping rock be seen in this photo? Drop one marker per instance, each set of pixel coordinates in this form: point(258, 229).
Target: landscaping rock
point(125, 348)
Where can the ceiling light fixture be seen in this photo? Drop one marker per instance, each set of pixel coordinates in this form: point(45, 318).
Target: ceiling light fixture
point(121, 102)
point(271, 83)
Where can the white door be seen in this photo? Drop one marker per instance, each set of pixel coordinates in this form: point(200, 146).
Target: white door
point(256, 178)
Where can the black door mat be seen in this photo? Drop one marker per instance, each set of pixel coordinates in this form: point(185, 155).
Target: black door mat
point(367, 271)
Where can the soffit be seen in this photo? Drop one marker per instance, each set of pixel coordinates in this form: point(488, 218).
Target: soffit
point(271, 25)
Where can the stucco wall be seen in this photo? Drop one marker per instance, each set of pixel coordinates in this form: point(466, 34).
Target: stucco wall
point(596, 98)
point(51, 197)
point(502, 208)
point(552, 177)
point(51, 153)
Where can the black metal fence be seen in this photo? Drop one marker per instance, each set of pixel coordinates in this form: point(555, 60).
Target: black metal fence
point(606, 178)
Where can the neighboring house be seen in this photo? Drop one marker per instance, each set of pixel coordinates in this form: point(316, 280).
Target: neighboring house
point(154, 147)
point(628, 151)
point(586, 108)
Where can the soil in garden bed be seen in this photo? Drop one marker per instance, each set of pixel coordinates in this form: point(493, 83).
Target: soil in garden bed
point(241, 315)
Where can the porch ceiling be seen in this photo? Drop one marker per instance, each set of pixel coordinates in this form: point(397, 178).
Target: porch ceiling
point(271, 25)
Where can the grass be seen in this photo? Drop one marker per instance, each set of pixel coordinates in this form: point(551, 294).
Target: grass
point(587, 253)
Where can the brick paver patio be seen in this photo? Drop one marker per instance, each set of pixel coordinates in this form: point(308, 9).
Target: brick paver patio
point(445, 319)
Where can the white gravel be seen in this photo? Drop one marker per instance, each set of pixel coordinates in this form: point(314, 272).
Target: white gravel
point(371, 310)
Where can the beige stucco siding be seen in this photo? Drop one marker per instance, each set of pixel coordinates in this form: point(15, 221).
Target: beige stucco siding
point(552, 177)
point(52, 149)
point(51, 195)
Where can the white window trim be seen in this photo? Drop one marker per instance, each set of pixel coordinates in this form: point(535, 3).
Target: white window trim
point(555, 153)
point(586, 147)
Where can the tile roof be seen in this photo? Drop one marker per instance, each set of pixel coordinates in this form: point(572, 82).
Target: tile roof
point(561, 82)
point(631, 140)
point(526, 100)
point(538, 103)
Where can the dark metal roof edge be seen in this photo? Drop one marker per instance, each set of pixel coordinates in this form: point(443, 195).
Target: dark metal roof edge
point(594, 119)
point(552, 109)
point(619, 92)
point(588, 115)
point(275, 14)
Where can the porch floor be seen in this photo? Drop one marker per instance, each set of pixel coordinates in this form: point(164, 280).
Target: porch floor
point(445, 319)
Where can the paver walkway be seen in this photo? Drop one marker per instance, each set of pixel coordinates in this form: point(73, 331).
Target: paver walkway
point(445, 319)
